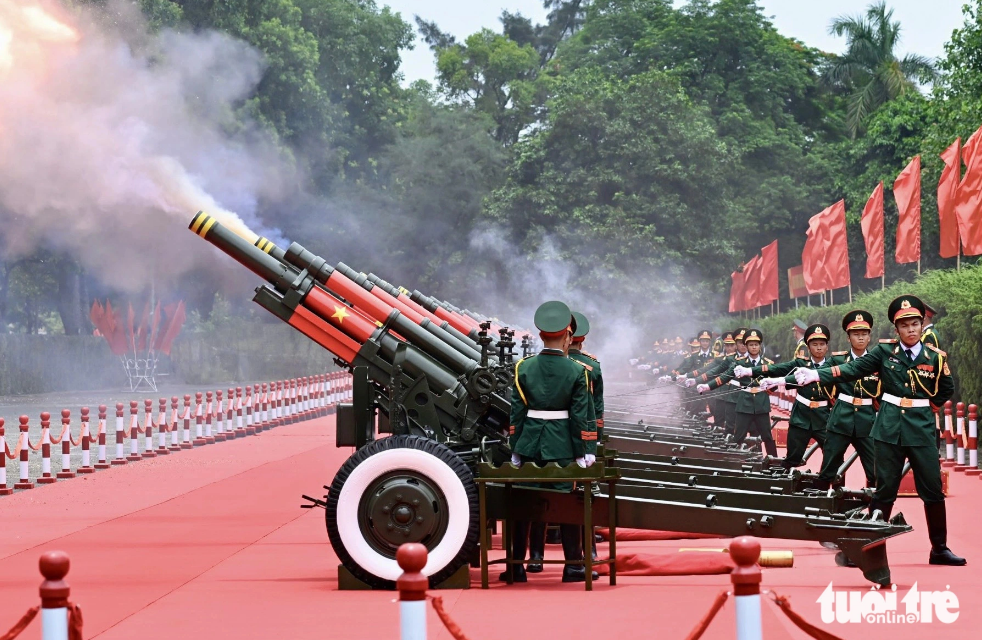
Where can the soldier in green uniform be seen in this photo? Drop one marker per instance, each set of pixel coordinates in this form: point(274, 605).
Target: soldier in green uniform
point(810, 413)
point(930, 334)
point(915, 382)
point(753, 406)
point(551, 421)
point(717, 365)
point(851, 420)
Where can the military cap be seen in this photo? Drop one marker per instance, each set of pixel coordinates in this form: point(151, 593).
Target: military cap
point(905, 307)
point(754, 335)
point(678, 340)
point(929, 310)
point(857, 319)
point(694, 342)
point(728, 338)
point(705, 334)
point(817, 332)
point(665, 341)
point(582, 325)
point(554, 318)
point(739, 334)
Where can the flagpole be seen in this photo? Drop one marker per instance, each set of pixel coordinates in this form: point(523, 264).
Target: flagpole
point(850, 293)
point(883, 280)
point(918, 265)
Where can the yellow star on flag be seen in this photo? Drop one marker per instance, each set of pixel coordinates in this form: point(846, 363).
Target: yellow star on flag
point(340, 313)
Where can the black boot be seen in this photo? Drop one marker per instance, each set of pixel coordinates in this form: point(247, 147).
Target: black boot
point(770, 447)
point(552, 535)
point(937, 531)
point(885, 509)
point(573, 550)
point(537, 547)
point(520, 538)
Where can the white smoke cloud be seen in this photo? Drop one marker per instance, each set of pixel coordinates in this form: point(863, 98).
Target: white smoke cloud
point(107, 148)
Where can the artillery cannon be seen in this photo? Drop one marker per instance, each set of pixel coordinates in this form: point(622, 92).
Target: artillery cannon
point(439, 388)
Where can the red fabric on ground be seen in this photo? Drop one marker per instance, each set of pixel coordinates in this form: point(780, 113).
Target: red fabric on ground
point(670, 564)
point(629, 535)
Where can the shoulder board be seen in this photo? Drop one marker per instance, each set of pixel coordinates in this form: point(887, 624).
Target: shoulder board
point(591, 356)
point(743, 357)
point(583, 364)
point(839, 353)
point(767, 361)
point(935, 349)
point(888, 341)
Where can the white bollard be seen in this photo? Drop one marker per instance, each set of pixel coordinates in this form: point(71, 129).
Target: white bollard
point(54, 593)
point(745, 551)
point(412, 585)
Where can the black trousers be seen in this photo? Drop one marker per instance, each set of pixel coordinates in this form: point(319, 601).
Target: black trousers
point(798, 440)
point(729, 416)
point(754, 424)
point(834, 454)
point(924, 464)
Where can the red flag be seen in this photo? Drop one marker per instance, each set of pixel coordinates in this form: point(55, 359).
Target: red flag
point(768, 274)
point(872, 223)
point(907, 192)
point(736, 292)
point(947, 192)
point(796, 283)
point(837, 259)
point(968, 197)
point(751, 283)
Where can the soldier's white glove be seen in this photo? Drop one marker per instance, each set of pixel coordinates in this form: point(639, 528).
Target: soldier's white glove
point(805, 376)
point(768, 383)
point(516, 459)
point(633, 361)
point(741, 372)
point(655, 371)
point(590, 458)
point(581, 463)
point(702, 388)
point(690, 382)
point(644, 367)
point(664, 378)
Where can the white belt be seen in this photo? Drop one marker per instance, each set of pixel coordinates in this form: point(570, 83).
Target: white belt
point(811, 404)
point(907, 402)
point(735, 383)
point(548, 415)
point(859, 402)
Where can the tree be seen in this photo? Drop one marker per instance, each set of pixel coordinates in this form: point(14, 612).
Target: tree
point(870, 70)
point(494, 75)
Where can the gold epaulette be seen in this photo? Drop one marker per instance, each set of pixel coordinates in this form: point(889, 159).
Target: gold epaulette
point(767, 361)
point(583, 364)
point(840, 353)
point(888, 341)
point(935, 349)
point(591, 356)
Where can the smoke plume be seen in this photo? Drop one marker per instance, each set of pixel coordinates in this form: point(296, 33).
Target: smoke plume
point(109, 144)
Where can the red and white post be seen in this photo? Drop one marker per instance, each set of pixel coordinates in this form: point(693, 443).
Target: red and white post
point(87, 440)
point(959, 436)
point(148, 451)
point(120, 457)
point(162, 427)
point(186, 418)
point(54, 595)
point(66, 446)
point(175, 431)
point(219, 416)
point(745, 551)
point(24, 444)
point(973, 441)
point(103, 463)
point(277, 402)
point(264, 400)
point(412, 585)
point(949, 437)
point(46, 477)
point(199, 426)
point(209, 410)
point(230, 415)
point(134, 432)
point(249, 429)
point(4, 489)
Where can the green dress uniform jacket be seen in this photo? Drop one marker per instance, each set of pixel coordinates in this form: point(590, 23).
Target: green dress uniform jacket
point(753, 399)
point(853, 418)
point(810, 417)
point(930, 336)
point(551, 382)
point(595, 375)
point(926, 378)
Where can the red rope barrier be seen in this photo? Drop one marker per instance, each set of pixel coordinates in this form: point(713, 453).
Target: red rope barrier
point(21, 624)
point(784, 602)
point(74, 621)
point(703, 624)
point(452, 627)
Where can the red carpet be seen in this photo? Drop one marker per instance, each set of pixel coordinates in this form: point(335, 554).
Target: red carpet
point(211, 543)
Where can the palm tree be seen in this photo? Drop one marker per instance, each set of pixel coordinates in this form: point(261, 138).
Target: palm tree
point(870, 69)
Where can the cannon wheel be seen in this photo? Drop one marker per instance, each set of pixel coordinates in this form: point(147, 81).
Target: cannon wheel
point(402, 489)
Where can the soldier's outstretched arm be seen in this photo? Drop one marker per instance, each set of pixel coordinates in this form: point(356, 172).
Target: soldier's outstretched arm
point(859, 368)
point(724, 376)
point(776, 370)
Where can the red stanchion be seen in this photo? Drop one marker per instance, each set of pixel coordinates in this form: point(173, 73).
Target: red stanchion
point(175, 431)
point(148, 451)
point(199, 417)
point(134, 455)
point(103, 463)
point(250, 430)
point(120, 457)
point(87, 440)
point(949, 437)
point(46, 477)
point(209, 410)
point(24, 445)
point(220, 435)
point(162, 427)
point(186, 419)
point(4, 455)
point(60, 618)
point(412, 585)
point(66, 446)
point(960, 437)
point(973, 441)
point(230, 416)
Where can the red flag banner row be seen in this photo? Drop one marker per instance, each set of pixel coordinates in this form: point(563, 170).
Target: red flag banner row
point(825, 258)
point(755, 283)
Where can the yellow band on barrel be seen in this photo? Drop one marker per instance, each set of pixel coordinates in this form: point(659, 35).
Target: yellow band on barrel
point(206, 227)
point(197, 221)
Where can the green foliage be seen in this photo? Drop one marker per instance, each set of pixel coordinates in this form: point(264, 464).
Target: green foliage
point(956, 294)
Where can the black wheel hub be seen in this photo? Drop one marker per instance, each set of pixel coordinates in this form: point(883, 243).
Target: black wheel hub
point(402, 506)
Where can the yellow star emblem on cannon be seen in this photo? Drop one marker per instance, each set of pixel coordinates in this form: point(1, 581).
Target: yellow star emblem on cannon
point(340, 313)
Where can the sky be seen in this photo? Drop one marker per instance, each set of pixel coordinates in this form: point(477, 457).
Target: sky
point(926, 25)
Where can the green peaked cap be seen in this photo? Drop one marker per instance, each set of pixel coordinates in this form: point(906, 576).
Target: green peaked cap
point(553, 317)
point(582, 325)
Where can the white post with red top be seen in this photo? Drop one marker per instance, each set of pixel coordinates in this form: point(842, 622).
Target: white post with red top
point(4, 489)
point(412, 585)
point(162, 427)
point(745, 551)
point(103, 463)
point(66, 446)
point(54, 593)
point(25, 478)
point(46, 449)
point(87, 440)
